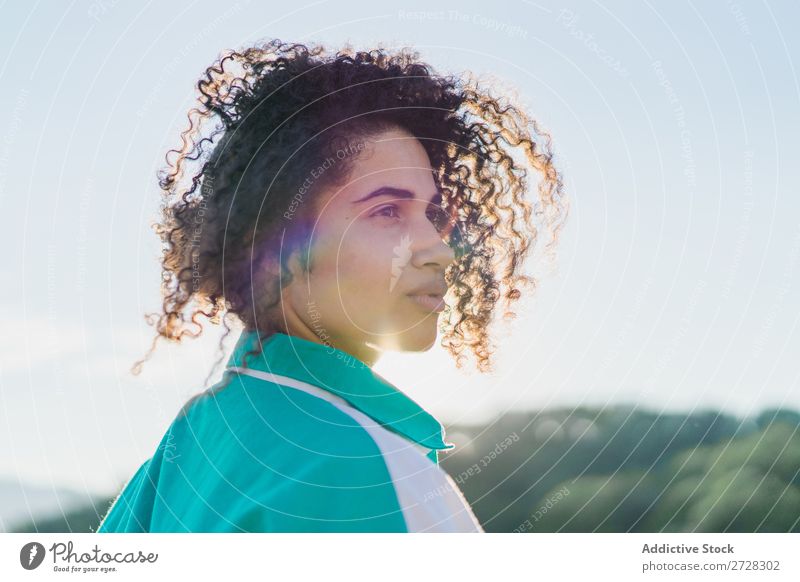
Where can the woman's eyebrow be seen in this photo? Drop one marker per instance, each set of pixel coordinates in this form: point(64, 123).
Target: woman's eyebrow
point(396, 193)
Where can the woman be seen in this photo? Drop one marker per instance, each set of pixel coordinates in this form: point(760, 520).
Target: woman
point(351, 203)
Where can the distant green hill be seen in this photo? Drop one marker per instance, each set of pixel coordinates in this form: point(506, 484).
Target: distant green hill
point(624, 469)
point(82, 520)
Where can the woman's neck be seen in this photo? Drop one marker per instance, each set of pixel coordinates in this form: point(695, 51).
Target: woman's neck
point(295, 326)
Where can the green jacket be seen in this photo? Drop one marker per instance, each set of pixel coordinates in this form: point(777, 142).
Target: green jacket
point(302, 438)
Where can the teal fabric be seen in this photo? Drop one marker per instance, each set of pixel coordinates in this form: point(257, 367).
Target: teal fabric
point(250, 455)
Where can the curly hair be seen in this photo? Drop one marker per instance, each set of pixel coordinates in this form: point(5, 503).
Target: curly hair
point(279, 110)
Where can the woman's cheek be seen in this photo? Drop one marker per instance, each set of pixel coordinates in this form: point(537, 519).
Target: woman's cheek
point(365, 272)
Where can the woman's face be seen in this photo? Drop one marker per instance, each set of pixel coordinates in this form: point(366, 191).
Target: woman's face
point(377, 262)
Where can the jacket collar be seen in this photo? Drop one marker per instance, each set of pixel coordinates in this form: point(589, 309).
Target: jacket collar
point(345, 376)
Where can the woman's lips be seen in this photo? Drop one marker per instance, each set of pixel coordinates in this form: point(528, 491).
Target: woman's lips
point(429, 302)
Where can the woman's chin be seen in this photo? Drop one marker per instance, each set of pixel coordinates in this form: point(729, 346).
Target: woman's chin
point(419, 339)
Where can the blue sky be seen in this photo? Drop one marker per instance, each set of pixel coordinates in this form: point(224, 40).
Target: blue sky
point(676, 285)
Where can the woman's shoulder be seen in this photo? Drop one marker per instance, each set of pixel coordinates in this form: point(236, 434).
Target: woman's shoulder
point(269, 420)
point(273, 459)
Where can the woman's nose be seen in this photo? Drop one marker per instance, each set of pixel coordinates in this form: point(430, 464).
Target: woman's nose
point(429, 248)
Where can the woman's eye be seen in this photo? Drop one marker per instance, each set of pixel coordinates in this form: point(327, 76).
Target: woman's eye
point(389, 211)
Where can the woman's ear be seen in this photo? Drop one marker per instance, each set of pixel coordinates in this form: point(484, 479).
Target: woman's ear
point(299, 250)
point(302, 258)
point(296, 263)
